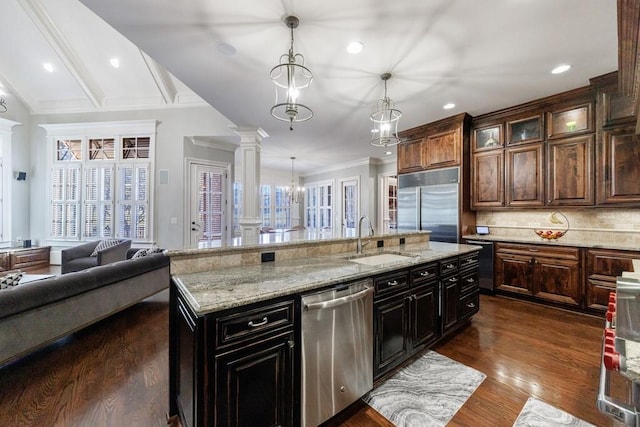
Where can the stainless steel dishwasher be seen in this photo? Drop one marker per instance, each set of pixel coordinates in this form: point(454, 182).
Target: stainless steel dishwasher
point(337, 349)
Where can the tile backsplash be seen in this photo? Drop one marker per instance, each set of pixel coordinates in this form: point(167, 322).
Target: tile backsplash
point(611, 225)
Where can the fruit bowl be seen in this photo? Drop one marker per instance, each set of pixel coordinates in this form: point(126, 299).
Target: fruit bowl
point(551, 234)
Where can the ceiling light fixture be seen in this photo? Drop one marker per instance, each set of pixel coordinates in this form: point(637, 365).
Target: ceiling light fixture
point(294, 193)
point(48, 66)
point(355, 47)
point(115, 62)
point(449, 106)
point(385, 120)
point(290, 78)
point(561, 69)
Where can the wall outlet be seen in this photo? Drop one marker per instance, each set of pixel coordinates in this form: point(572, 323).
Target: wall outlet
point(268, 256)
point(402, 240)
point(380, 243)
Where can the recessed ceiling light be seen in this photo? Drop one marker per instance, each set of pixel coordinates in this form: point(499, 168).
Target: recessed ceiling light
point(48, 66)
point(561, 69)
point(226, 49)
point(449, 106)
point(355, 47)
point(115, 62)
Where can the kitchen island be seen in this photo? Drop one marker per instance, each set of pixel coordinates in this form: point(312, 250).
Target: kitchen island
point(235, 321)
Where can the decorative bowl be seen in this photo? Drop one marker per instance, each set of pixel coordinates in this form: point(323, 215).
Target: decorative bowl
point(552, 234)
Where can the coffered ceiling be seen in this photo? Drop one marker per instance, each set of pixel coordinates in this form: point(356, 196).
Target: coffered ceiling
point(480, 55)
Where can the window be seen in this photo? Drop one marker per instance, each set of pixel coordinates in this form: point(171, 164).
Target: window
point(275, 207)
point(100, 186)
point(318, 206)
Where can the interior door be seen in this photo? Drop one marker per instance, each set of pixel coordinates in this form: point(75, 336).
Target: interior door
point(350, 212)
point(207, 222)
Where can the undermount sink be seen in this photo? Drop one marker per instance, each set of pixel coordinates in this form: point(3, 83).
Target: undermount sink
point(378, 259)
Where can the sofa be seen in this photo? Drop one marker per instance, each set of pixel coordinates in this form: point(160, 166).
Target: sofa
point(80, 257)
point(37, 313)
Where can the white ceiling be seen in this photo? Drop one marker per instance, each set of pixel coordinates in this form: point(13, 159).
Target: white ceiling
point(481, 55)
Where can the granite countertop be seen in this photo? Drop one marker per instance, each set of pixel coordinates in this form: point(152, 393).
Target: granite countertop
point(225, 288)
point(563, 241)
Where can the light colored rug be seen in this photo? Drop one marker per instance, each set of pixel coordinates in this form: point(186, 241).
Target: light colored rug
point(426, 393)
point(536, 413)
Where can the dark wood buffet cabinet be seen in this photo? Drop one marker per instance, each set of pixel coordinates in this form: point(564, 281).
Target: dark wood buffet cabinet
point(234, 368)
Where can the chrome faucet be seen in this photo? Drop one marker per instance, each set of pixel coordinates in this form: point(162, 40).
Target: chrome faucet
point(371, 233)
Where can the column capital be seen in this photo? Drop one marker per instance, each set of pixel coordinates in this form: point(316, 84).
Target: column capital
point(251, 134)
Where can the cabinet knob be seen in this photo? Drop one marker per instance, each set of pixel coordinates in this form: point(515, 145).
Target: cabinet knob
point(471, 305)
point(470, 280)
point(453, 280)
point(291, 343)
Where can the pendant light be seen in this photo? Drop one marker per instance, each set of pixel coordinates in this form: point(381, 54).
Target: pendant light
point(290, 77)
point(385, 120)
point(294, 193)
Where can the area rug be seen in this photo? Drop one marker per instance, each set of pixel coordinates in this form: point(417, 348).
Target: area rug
point(536, 413)
point(426, 393)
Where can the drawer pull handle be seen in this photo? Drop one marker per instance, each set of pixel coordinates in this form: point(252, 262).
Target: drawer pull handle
point(470, 280)
point(450, 266)
point(261, 323)
point(533, 250)
point(453, 280)
point(471, 305)
point(425, 274)
point(393, 283)
point(471, 261)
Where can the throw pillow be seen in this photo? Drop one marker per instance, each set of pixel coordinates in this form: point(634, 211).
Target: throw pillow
point(104, 244)
point(144, 252)
point(10, 280)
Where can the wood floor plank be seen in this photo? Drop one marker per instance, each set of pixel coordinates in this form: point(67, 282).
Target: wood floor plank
point(115, 372)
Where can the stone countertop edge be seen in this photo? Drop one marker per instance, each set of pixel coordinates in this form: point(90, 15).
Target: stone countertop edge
point(226, 288)
point(282, 245)
point(556, 242)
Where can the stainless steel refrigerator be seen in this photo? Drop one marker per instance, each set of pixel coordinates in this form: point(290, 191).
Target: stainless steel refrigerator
point(429, 201)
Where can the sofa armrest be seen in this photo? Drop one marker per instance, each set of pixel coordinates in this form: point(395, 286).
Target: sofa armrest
point(114, 253)
point(80, 251)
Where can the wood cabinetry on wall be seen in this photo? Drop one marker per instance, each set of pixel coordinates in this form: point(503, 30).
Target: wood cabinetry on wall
point(548, 152)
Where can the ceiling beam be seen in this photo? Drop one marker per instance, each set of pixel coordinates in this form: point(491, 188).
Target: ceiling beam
point(38, 14)
point(161, 78)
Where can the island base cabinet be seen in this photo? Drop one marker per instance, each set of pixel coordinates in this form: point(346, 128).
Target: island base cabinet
point(390, 340)
point(424, 315)
point(254, 385)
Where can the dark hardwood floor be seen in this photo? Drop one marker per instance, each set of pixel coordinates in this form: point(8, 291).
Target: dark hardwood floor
point(115, 372)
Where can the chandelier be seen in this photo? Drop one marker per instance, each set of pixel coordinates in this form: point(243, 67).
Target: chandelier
point(290, 77)
point(294, 193)
point(385, 120)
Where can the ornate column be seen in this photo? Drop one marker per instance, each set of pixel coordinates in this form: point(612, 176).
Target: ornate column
point(250, 220)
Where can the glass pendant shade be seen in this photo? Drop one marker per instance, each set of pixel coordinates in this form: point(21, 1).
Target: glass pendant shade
point(290, 78)
point(294, 193)
point(385, 120)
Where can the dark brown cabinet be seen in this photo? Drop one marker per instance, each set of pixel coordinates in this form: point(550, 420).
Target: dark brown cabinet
point(524, 176)
point(547, 273)
point(487, 175)
point(570, 171)
point(410, 156)
point(450, 285)
point(25, 259)
point(443, 149)
point(620, 162)
point(602, 267)
point(234, 367)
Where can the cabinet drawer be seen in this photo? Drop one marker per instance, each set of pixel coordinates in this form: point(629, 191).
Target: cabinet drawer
point(249, 324)
point(389, 283)
point(448, 266)
point(469, 305)
point(424, 274)
point(559, 252)
point(469, 282)
point(469, 261)
point(29, 257)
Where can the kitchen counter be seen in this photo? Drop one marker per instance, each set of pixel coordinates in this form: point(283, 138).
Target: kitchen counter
point(223, 288)
point(563, 241)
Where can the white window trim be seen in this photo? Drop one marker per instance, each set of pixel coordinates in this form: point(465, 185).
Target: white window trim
point(117, 130)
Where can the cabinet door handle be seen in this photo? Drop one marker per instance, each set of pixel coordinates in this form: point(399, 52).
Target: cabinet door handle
point(470, 280)
point(533, 250)
point(471, 305)
point(453, 280)
point(291, 343)
point(392, 283)
point(450, 266)
point(424, 274)
point(261, 323)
